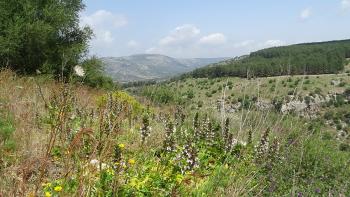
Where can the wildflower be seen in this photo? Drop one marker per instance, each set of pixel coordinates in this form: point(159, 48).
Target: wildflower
point(94, 162)
point(208, 131)
point(79, 71)
point(47, 194)
point(104, 166)
point(243, 143)
point(154, 169)
point(189, 157)
point(131, 161)
point(226, 129)
point(145, 129)
point(110, 171)
point(250, 136)
point(262, 149)
point(133, 182)
point(58, 188)
point(169, 142)
point(179, 178)
point(121, 146)
point(46, 184)
point(226, 166)
point(196, 127)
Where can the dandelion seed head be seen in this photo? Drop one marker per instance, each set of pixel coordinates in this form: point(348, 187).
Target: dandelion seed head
point(79, 71)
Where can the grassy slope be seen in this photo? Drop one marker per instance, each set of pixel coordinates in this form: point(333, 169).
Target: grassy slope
point(22, 99)
point(208, 91)
point(237, 176)
point(241, 87)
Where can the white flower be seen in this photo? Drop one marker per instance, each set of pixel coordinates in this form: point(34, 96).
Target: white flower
point(79, 71)
point(104, 166)
point(94, 162)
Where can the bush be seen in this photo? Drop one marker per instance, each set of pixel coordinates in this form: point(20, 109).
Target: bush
point(162, 94)
point(342, 84)
point(300, 164)
point(42, 35)
point(7, 129)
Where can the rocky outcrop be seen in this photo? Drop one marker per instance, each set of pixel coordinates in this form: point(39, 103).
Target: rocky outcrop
point(308, 106)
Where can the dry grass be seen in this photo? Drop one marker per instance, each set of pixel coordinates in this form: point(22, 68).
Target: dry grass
point(25, 98)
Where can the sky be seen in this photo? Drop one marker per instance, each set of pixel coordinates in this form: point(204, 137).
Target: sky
point(210, 28)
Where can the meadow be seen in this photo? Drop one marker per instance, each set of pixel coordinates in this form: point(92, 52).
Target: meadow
point(64, 139)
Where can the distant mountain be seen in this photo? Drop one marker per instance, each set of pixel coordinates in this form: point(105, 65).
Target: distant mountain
point(151, 66)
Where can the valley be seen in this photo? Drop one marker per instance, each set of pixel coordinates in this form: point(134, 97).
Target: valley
point(108, 98)
point(146, 67)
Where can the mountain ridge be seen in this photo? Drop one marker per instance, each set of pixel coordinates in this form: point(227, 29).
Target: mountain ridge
point(141, 67)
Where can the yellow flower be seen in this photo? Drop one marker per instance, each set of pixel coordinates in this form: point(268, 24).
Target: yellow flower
point(47, 194)
point(131, 161)
point(31, 194)
point(46, 184)
point(226, 166)
point(110, 171)
point(58, 188)
point(179, 178)
point(154, 169)
point(121, 146)
point(133, 182)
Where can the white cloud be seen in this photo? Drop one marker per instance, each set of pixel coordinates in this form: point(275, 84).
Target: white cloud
point(305, 14)
point(132, 44)
point(247, 46)
point(103, 23)
point(103, 18)
point(151, 50)
point(180, 35)
point(186, 41)
point(274, 43)
point(345, 4)
point(213, 39)
point(245, 43)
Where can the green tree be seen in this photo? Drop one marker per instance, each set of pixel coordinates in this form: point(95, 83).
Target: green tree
point(42, 34)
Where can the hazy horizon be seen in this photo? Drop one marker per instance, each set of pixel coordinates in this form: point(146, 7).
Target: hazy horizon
point(189, 29)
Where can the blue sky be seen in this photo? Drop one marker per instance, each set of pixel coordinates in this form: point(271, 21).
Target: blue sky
point(209, 28)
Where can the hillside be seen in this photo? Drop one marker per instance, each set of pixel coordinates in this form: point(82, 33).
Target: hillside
point(275, 122)
point(151, 66)
point(306, 119)
point(307, 58)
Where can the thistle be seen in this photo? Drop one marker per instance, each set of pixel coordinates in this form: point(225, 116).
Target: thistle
point(230, 142)
point(179, 116)
point(226, 129)
point(263, 147)
point(79, 71)
point(250, 136)
point(169, 142)
point(196, 129)
point(273, 152)
point(145, 128)
point(188, 158)
point(208, 131)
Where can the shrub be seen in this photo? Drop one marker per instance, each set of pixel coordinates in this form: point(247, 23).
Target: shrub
point(299, 164)
point(7, 129)
point(342, 84)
